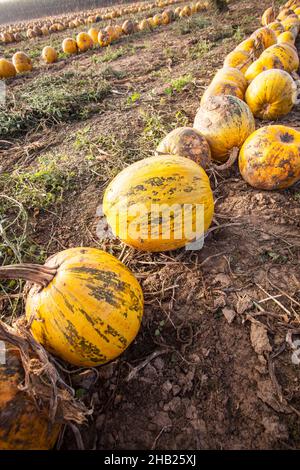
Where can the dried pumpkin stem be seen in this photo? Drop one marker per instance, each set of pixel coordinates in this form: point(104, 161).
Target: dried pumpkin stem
point(41, 275)
point(230, 162)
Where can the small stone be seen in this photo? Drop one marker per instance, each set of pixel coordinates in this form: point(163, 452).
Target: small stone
point(159, 363)
point(167, 386)
point(176, 390)
point(229, 314)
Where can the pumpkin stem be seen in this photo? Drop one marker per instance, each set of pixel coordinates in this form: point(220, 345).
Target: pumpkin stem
point(39, 274)
point(231, 160)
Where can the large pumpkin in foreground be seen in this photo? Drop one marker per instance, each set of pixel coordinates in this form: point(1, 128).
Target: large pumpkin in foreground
point(159, 203)
point(22, 425)
point(89, 308)
point(269, 159)
point(225, 122)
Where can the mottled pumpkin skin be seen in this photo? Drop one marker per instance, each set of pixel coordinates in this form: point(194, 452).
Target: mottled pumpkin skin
point(84, 41)
point(271, 94)
point(225, 122)
point(279, 56)
point(22, 425)
point(268, 16)
point(231, 74)
point(164, 181)
point(90, 312)
point(286, 37)
point(222, 87)
point(265, 36)
point(277, 27)
point(269, 159)
point(186, 142)
point(238, 59)
point(251, 46)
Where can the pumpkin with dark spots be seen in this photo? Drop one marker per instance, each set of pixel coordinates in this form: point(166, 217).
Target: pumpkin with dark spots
point(86, 307)
point(225, 122)
point(23, 426)
point(186, 142)
point(271, 94)
point(269, 159)
point(155, 219)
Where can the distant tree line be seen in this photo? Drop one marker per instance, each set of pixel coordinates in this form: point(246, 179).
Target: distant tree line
point(19, 10)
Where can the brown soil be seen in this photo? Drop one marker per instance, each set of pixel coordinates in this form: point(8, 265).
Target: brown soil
point(211, 367)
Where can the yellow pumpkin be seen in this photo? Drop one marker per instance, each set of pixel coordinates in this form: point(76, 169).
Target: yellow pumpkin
point(85, 305)
point(22, 62)
point(280, 56)
point(238, 59)
point(167, 16)
point(297, 11)
point(225, 122)
point(159, 203)
point(69, 46)
point(269, 159)
point(84, 41)
point(251, 46)
point(93, 33)
point(231, 74)
point(286, 37)
point(22, 425)
point(177, 11)
point(292, 25)
point(271, 94)
point(7, 69)
point(186, 142)
point(222, 87)
point(144, 25)
point(284, 13)
point(277, 27)
point(186, 11)
point(49, 55)
point(268, 16)
point(265, 36)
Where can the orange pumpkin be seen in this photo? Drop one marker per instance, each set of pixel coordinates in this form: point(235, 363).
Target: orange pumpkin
point(269, 158)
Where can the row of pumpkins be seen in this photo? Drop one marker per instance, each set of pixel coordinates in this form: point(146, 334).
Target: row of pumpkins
point(38, 28)
point(84, 305)
point(21, 62)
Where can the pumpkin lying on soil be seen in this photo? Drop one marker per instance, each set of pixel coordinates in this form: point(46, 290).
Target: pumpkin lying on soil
point(159, 203)
point(84, 305)
point(22, 425)
point(93, 33)
point(271, 94)
point(251, 46)
point(186, 142)
point(49, 55)
point(84, 42)
point(7, 69)
point(222, 87)
point(22, 62)
point(69, 46)
point(269, 159)
point(225, 122)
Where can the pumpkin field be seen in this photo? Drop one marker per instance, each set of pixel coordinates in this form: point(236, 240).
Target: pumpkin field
point(169, 339)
